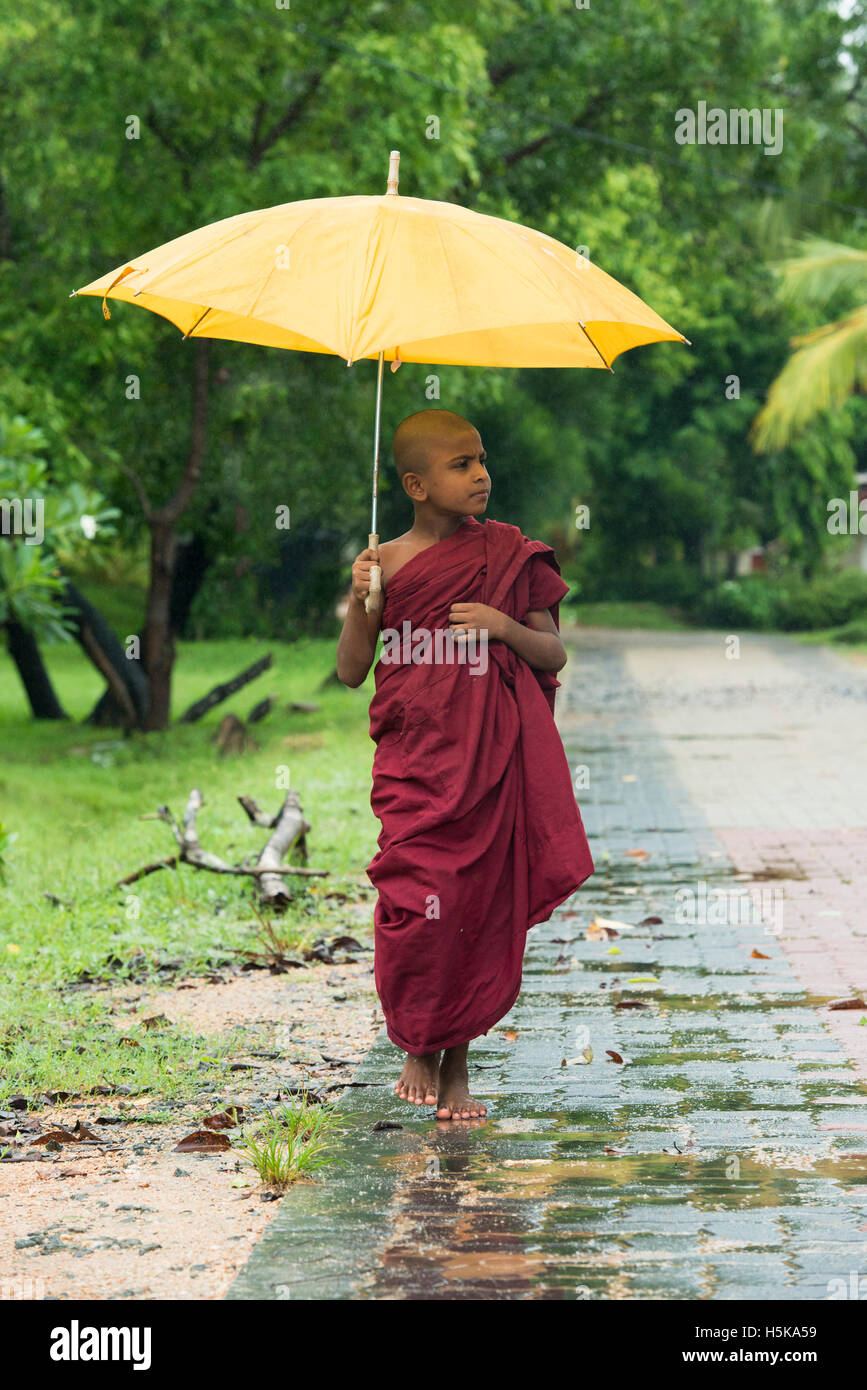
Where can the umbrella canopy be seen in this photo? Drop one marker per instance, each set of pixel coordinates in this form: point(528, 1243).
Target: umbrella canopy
point(399, 279)
point(414, 279)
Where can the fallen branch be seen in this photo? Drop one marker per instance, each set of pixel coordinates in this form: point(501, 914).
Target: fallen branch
point(259, 817)
point(288, 827)
point(148, 868)
point(260, 710)
point(222, 692)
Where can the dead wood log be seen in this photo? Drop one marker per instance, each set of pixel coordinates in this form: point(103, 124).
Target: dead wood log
point(259, 711)
point(232, 736)
point(223, 691)
point(288, 826)
point(259, 817)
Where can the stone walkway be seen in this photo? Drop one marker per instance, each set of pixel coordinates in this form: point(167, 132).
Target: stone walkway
point(725, 1157)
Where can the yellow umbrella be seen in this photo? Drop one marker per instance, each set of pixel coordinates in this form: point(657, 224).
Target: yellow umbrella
point(398, 279)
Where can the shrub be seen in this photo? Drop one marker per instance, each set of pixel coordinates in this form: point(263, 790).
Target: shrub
point(856, 631)
point(749, 602)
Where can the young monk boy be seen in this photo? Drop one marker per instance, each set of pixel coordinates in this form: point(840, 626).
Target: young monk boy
point(481, 836)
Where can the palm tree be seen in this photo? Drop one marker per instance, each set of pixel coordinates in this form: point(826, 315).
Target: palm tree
point(830, 363)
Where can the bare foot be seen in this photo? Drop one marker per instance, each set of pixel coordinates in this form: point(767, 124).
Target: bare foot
point(418, 1080)
point(454, 1101)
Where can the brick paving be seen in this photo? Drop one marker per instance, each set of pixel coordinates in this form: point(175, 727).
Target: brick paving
point(724, 1157)
point(772, 750)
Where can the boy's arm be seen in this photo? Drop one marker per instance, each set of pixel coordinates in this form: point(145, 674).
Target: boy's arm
point(356, 646)
point(539, 643)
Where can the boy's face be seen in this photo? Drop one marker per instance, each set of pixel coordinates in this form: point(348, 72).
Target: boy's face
point(456, 479)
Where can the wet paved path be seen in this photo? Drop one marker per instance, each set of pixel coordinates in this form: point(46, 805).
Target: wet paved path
point(726, 1158)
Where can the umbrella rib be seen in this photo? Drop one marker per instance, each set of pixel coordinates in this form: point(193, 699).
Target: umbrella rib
point(199, 321)
point(593, 345)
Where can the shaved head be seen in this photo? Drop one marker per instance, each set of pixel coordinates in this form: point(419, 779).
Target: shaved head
point(417, 434)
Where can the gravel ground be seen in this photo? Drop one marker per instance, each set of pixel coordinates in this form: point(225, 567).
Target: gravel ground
point(129, 1217)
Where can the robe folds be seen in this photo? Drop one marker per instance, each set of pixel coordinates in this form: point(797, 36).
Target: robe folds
point(481, 835)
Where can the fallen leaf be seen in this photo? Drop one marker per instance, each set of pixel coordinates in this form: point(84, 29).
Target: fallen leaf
point(857, 1003)
point(650, 922)
point(387, 1124)
point(642, 980)
point(614, 951)
point(637, 853)
point(155, 1020)
point(631, 1004)
point(758, 955)
point(609, 924)
point(615, 1056)
point(202, 1141)
point(225, 1119)
point(510, 1036)
point(83, 1132)
point(54, 1136)
point(595, 932)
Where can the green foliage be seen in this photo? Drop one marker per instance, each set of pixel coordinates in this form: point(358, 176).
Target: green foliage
point(59, 518)
point(790, 603)
point(854, 632)
point(547, 114)
point(738, 603)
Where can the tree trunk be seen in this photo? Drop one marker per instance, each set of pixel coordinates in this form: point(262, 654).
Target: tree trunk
point(191, 565)
point(192, 562)
point(159, 642)
point(103, 647)
point(24, 651)
point(158, 637)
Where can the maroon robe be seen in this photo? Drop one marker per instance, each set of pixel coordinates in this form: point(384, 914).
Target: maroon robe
point(481, 835)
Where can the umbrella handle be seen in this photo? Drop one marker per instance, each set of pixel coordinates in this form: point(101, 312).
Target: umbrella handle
point(373, 602)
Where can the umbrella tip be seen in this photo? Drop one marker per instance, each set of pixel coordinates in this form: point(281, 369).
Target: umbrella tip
point(393, 168)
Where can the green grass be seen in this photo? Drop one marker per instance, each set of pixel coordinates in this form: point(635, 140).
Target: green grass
point(291, 1142)
point(624, 614)
point(833, 638)
point(74, 797)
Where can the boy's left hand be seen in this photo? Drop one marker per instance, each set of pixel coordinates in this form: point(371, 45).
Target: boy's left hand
point(476, 617)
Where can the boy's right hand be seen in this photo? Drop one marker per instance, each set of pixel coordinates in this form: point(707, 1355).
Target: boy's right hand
point(361, 573)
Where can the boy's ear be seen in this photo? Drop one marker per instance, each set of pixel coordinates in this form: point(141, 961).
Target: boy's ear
point(413, 486)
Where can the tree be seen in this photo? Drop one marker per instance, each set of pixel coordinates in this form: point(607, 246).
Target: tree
point(830, 364)
point(44, 521)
